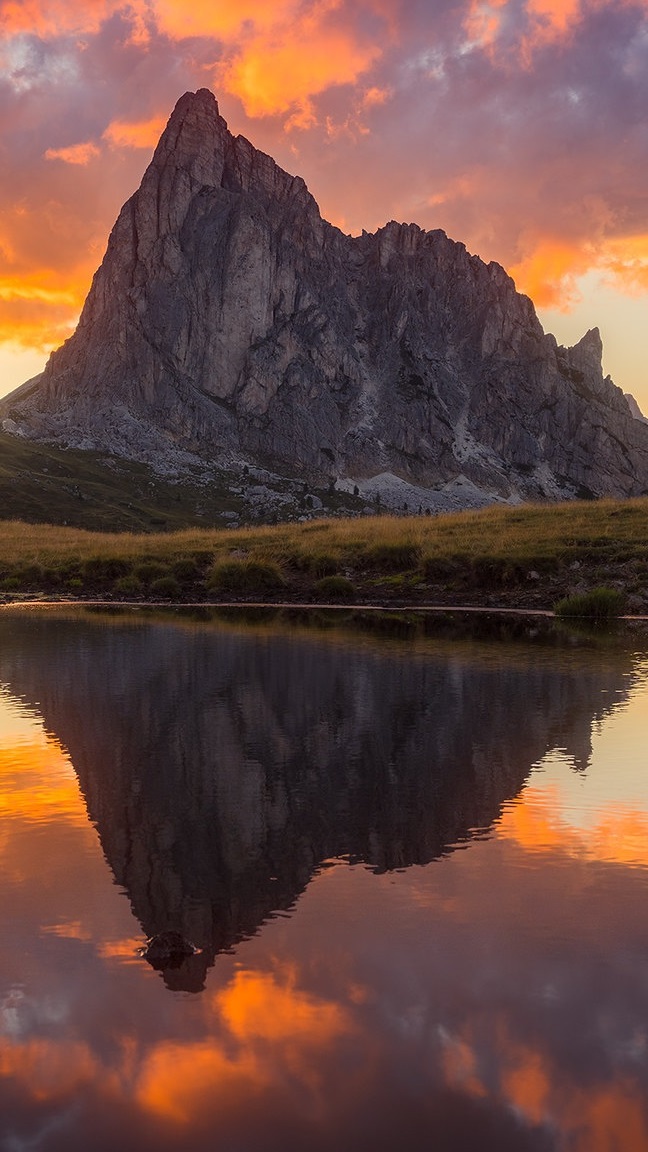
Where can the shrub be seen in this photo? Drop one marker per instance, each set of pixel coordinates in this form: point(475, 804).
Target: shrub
point(322, 564)
point(335, 588)
point(246, 576)
point(149, 571)
point(104, 569)
point(30, 576)
point(128, 586)
point(186, 571)
point(165, 588)
point(599, 604)
point(316, 563)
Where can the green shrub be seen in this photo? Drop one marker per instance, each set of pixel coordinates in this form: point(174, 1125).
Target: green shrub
point(186, 571)
point(128, 586)
point(315, 563)
point(104, 569)
point(149, 571)
point(245, 577)
point(335, 588)
point(599, 604)
point(30, 576)
point(69, 570)
point(165, 588)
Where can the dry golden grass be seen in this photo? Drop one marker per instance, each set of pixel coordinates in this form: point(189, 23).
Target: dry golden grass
point(556, 530)
point(498, 543)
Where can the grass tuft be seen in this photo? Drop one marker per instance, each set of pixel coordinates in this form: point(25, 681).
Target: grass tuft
point(245, 577)
point(165, 588)
point(598, 604)
point(336, 588)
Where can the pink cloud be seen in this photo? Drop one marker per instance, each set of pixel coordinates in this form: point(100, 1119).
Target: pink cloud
point(75, 153)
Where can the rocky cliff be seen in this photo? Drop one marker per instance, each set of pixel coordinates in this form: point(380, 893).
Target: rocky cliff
point(230, 322)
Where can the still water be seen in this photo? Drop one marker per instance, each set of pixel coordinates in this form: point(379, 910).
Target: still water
point(416, 867)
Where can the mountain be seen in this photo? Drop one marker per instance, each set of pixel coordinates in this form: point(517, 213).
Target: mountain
point(229, 326)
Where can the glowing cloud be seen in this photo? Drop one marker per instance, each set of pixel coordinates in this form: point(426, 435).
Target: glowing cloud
point(620, 837)
point(135, 134)
point(75, 154)
point(273, 74)
point(53, 17)
point(268, 1006)
point(271, 1026)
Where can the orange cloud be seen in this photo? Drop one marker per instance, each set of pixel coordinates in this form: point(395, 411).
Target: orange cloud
point(274, 74)
point(37, 783)
point(527, 1085)
point(179, 1081)
point(536, 824)
point(75, 154)
point(594, 1118)
point(260, 1005)
point(483, 21)
point(39, 310)
point(50, 1070)
point(625, 263)
point(221, 18)
point(548, 274)
point(135, 133)
point(275, 1026)
point(459, 1066)
point(551, 20)
point(374, 97)
point(588, 1120)
point(53, 17)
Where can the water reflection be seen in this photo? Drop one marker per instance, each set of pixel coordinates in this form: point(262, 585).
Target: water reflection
point(221, 768)
point(495, 1000)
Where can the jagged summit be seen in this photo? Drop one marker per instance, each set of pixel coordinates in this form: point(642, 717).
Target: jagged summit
point(229, 321)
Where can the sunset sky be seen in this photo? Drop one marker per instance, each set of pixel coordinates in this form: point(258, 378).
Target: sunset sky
point(518, 126)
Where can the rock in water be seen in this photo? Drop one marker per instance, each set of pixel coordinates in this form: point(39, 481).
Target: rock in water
point(230, 321)
point(167, 950)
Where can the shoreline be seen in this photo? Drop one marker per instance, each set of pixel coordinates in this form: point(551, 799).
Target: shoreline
point(24, 604)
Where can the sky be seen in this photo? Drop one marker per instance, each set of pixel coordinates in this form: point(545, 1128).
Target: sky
point(517, 126)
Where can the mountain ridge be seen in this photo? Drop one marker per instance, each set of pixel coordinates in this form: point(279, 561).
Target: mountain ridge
point(229, 325)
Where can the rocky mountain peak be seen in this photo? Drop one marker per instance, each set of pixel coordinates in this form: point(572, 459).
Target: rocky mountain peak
point(230, 322)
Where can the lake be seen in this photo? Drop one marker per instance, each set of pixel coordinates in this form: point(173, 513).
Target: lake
point(412, 853)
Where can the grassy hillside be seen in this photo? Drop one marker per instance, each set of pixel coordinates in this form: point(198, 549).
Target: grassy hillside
point(40, 483)
point(528, 556)
point(45, 484)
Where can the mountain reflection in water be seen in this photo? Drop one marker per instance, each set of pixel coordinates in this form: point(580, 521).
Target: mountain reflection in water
point(222, 768)
point(496, 1000)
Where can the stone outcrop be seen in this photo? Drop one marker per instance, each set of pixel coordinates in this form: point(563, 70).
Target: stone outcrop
point(230, 322)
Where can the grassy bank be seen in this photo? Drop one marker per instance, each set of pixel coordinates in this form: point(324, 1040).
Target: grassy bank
point(530, 556)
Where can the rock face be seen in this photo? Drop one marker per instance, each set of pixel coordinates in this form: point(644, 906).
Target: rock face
point(230, 321)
